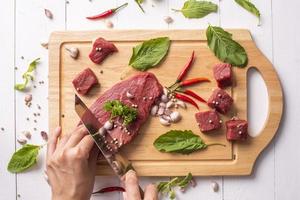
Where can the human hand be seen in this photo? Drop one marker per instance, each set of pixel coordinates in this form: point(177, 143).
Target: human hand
point(131, 183)
point(71, 164)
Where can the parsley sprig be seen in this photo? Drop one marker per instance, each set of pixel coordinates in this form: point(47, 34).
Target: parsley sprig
point(28, 75)
point(118, 109)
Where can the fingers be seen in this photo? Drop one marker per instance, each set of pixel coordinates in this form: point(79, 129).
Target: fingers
point(151, 192)
point(86, 144)
point(76, 136)
point(52, 142)
point(93, 157)
point(132, 186)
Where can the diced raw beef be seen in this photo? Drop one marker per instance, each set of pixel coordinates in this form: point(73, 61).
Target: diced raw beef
point(84, 81)
point(223, 74)
point(101, 49)
point(144, 89)
point(220, 100)
point(237, 129)
point(208, 120)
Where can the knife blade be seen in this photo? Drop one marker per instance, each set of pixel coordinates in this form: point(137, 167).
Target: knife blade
point(104, 142)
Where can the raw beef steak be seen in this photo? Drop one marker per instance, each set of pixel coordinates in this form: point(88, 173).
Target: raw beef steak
point(84, 81)
point(101, 49)
point(208, 120)
point(223, 75)
point(237, 129)
point(139, 91)
point(220, 100)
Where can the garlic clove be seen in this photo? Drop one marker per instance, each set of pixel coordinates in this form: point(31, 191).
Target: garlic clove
point(48, 13)
point(129, 95)
point(168, 19)
point(215, 186)
point(73, 52)
point(102, 131)
point(44, 135)
point(21, 139)
point(154, 110)
point(170, 104)
point(164, 98)
point(165, 90)
point(181, 104)
point(45, 45)
point(175, 116)
point(27, 134)
point(108, 125)
point(28, 98)
point(160, 111)
point(164, 121)
point(162, 104)
point(109, 24)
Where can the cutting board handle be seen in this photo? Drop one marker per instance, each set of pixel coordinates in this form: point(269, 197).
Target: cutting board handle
point(275, 102)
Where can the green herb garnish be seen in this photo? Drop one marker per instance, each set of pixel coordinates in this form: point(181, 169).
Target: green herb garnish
point(28, 75)
point(167, 187)
point(177, 141)
point(197, 9)
point(149, 53)
point(247, 5)
point(24, 158)
point(225, 48)
point(118, 109)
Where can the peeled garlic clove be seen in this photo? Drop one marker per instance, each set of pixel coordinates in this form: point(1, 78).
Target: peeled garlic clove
point(129, 95)
point(164, 98)
point(73, 51)
point(181, 104)
point(175, 116)
point(45, 45)
point(215, 186)
point(102, 131)
point(108, 125)
point(162, 104)
point(170, 104)
point(167, 112)
point(164, 121)
point(154, 110)
point(165, 90)
point(21, 139)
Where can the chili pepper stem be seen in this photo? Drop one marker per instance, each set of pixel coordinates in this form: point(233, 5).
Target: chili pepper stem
point(119, 7)
point(175, 10)
point(140, 6)
point(216, 144)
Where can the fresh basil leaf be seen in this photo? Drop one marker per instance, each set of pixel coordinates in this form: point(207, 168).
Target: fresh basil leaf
point(225, 48)
point(23, 158)
point(246, 4)
point(27, 75)
point(167, 187)
point(149, 53)
point(197, 9)
point(177, 141)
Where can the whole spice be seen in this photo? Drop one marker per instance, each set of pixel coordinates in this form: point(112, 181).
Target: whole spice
point(186, 68)
point(48, 13)
point(186, 99)
point(193, 94)
point(107, 13)
point(193, 81)
point(110, 189)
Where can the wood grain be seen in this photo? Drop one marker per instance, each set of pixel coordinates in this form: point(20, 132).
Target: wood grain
point(234, 159)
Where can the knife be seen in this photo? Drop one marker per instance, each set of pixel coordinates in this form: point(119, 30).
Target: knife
point(105, 143)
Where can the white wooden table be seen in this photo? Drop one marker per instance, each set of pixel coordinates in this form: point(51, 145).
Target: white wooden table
point(24, 27)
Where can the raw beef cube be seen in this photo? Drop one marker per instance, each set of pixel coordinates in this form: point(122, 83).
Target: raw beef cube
point(84, 81)
point(223, 74)
point(101, 49)
point(237, 129)
point(220, 100)
point(208, 120)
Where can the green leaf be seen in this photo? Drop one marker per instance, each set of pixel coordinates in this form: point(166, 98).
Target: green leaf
point(23, 158)
point(167, 187)
point(149, 53)
point(246, 4)
point(177, 141)
point(118, 109)
point(27, 75)
point(224, 47)
point(197, 9)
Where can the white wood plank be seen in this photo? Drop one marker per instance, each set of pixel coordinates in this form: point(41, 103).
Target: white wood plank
point(262, 180)
point(286, 60)
point(32, 28)
point(7, 110)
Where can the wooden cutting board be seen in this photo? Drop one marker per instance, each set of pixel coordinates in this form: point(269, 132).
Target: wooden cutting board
point(234, 159)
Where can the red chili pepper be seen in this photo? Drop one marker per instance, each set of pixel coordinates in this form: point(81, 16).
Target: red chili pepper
point(186, 99)
point(193, 94)
point(110, 189)
point(186, 68)
point(193, 81)
point(107, 13)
